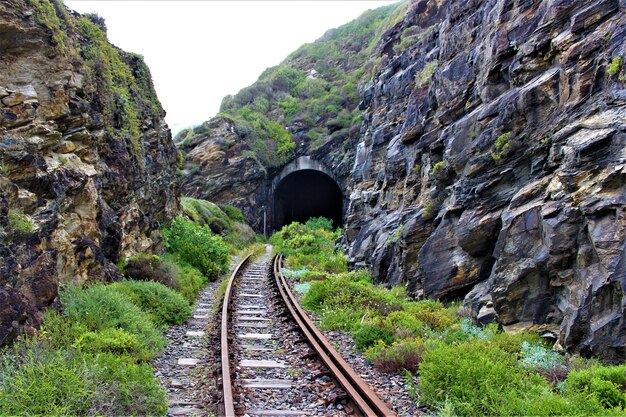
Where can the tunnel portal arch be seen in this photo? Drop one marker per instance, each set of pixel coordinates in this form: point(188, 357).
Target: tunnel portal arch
point(306, 188)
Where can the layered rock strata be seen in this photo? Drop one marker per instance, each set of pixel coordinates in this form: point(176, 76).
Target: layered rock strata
point(493, 165)
point(88, 163)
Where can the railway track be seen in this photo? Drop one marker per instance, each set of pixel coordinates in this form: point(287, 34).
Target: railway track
point(275, 362)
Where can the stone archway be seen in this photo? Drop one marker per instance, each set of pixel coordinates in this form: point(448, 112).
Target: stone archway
point(304, 189)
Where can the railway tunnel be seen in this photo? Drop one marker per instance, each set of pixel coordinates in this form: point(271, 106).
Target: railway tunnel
point(304, 189)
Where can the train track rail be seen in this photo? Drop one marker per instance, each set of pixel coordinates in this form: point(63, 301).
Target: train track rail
point(251, 323)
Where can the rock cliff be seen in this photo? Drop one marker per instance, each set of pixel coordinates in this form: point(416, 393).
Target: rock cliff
point(492, 165)
point(489, 165)
point(87, 161)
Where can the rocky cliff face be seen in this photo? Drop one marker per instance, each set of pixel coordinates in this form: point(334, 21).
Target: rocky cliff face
point(87, 161)
point(490, 165)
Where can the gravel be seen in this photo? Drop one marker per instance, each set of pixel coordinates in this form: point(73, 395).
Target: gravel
point(312, 390)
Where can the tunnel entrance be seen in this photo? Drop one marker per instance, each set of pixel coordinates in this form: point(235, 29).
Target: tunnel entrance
point(304, 194)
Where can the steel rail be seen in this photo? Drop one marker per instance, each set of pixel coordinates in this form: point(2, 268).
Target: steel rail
point(363, 396)
point(227, 387)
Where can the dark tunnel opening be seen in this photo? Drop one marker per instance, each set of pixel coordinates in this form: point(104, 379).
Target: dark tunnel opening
point(304, 194)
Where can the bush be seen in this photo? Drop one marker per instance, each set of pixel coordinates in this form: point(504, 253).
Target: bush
point(37, 381)
point(125, 388)
point(432, 313)
point(57, 332)
point(19, 222)
point(150, 268)
point(474, 376)
point(404, 321)
point(320, 223)
point(234, 213)
point(101, 307)
point(190, 280)
point(404, 354)
point(310, 245)
point(163, 304)
point(466, 330)
point(341, 319)
point(368, 335)
point(536, 357)
point(616, 65)
point(197, 246)
point(607, 384)
point(115, 341)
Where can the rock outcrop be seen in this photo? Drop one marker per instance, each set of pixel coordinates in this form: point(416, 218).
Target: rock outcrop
point(490, 165)
point(88, 163)
point(494, 146)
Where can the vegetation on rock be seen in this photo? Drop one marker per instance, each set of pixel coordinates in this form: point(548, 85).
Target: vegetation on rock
point(312, 95)
point(464, 369)
point(125, 82)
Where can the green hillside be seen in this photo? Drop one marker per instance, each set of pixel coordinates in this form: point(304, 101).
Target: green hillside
point(312, 96)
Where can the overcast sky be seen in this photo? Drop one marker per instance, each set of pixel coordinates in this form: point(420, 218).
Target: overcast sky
point(200, 51)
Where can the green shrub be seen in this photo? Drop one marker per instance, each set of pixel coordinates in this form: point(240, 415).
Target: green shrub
point(537, 357)
point(367, 335)
point(101, 307)
point(616, 65)
point(501, 146)
point(150, 268)
point(432, 313)
point(466, 330)
point(423, 77)
point(475, 377)
point(125, 388)
point(341, 319)
point(190, 280)
point(18, 222)
point(403, 354)
point(163, 304)
point(207, 213)
point(58, 332)
point(197, 246)
point(115, 341)
point(512, 342)
point(37, 381)
point(310, 245)
point(404, 321)
point(436, 167)
point(234, 213)
point(607, 384)
point(320, 223)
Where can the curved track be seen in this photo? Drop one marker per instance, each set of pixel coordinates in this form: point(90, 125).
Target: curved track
point(271, 367)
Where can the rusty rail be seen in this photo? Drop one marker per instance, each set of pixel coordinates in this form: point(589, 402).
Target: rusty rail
point(227, 387)
point(363, 396)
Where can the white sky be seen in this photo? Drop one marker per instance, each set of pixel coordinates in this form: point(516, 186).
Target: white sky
point(200, 51)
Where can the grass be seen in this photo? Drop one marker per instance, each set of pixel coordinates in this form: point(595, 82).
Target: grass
point(18, 222)
point(423, 77)
point(101, 307)
point(88, 361)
